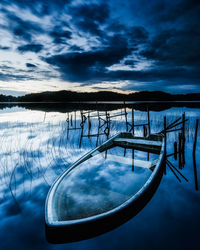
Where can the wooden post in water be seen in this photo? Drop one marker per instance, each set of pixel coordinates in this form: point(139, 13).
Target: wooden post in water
point(195, 137)
point(175, 150)
point(107, 130)
point(44, 117)
point(81, 119)
point(179, 150)
point(165, 138)
point(126, 116)
point(183, 127)
point(75, 119)
point(194, 155)
point(149, 127)
point(71, 121)
point(124, 152)
point(89, 124)
point(67, 125)
point(106, 154)
point(133, 130)
point(144, 130)
point(183, 140)
point(81, 136)
point(148, 156)
point(99, 123)
point(108, 124)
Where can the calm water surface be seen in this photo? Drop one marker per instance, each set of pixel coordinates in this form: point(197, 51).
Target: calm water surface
point(36, 147)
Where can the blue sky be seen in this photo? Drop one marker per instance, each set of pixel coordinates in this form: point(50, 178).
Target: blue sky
point(131, 45)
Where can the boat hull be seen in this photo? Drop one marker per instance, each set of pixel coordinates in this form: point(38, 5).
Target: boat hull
point(97, 225)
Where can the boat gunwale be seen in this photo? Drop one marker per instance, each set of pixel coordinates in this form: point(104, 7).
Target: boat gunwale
point(132, 199)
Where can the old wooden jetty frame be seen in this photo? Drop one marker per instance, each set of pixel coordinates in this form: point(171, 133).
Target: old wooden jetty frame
point(72, 230)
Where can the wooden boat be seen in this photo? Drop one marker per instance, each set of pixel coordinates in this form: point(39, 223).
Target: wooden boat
point(104, 188)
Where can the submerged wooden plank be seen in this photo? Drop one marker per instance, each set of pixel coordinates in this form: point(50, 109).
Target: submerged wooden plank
point(140, 141)
point(129, 161)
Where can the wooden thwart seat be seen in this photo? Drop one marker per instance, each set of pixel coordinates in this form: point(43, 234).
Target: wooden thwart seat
point(140, 142)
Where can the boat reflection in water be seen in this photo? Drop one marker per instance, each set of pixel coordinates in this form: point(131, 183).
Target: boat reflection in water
point(105, 188)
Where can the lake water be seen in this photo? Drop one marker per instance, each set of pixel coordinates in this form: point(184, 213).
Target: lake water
point(37, 146)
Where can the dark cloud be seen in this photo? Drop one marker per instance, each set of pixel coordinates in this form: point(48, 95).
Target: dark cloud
point(179, 9)
point(77, 66)
point(59, 35)
point(155, 74)
point(30, 65)
point(174, 48)
point(171, 53)
point(89, 17)
point(94, 12)
point(159, 14)
point(13, 77)
point(135, 35)
point(88, 37)
point(138, 33)
point(3, 77)
point(75, 48)
point(20, 28)
point(4, 47)
point(130, 62)
point(30, 47)
point(39, 8)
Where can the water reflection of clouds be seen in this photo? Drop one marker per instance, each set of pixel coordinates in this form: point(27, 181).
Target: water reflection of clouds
point(98, 185)
point(19, 228)
point(40, 151)
point(33, 154)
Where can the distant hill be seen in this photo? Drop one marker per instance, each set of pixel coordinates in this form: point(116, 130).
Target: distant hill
point(5, 98)
point(69, 96)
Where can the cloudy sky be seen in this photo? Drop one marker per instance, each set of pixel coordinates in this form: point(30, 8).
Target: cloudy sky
point(85, 45)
